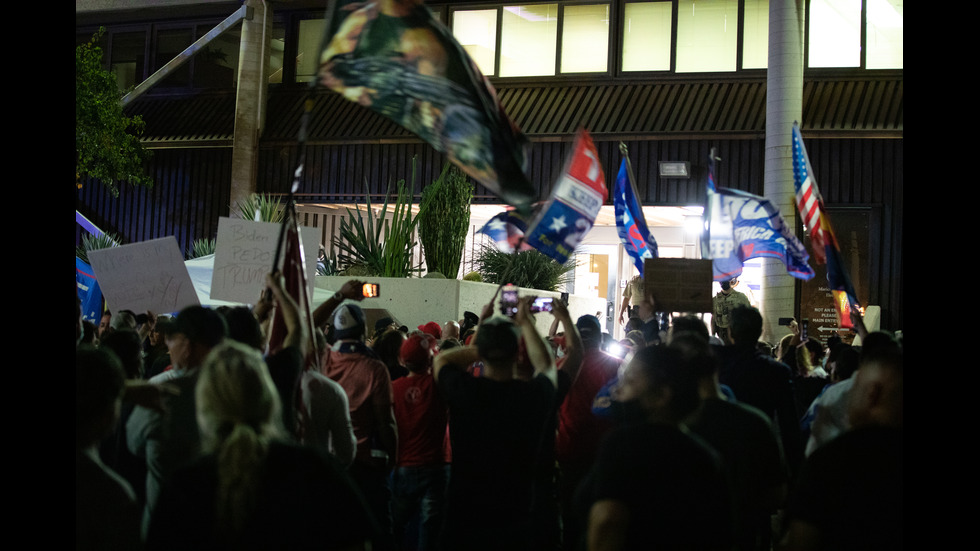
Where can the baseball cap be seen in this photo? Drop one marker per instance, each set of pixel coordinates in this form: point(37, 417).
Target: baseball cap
point(348, 322)
point(198, 324)
point(589, 328)
point(432, 328)
point(416, 351)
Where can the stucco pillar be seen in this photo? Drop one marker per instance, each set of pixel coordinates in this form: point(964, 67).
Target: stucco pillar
point(251, 99)
point(784, 104)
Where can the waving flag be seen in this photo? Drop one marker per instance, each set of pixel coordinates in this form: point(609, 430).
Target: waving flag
point(507, 230)
point(397, 60)
point(569, 213)
point(743, 226)
point(808, 199)
point(630, 222)
point(845, 298)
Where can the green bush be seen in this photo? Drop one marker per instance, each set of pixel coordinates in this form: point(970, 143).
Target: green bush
point(444, 219)
point(531, 269)
point(376, 247)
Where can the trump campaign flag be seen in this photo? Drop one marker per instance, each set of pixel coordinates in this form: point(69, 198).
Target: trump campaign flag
point(808, 199)
point(743, 226)
point(397, 60)
point(630, 222)
point(562, 222)
point(507, 230)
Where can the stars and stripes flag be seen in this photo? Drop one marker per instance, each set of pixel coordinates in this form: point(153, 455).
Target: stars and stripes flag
point(396, 59)
point(507, 230)
point(631, 225)
point(808, 199)
point(562, 222)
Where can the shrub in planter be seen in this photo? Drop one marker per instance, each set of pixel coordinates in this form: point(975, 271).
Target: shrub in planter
point(531, 269)
point(443, 219)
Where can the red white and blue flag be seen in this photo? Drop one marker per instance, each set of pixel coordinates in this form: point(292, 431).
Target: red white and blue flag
point(507, 230)
point(631, 225)
point(562, 222)
point(808, 199)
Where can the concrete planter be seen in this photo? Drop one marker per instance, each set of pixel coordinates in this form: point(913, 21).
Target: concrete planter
point(416, 301)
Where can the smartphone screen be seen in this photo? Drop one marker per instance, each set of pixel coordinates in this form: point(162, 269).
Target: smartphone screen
point(370, 290)
point(542, 304)
point(508, 301)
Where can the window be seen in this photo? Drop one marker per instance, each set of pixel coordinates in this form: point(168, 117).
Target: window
point(169, 43)
point(528, 40)
point(707, 35)
point(835, 33)
point(585, 39)
point(646, 36)
point(128, 58)
point(885, 40)
point(755, 35)
point(476, 31)
point(307, 50)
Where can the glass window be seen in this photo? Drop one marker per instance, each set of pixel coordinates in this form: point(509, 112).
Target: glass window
point(886, 49)
point(707, 35)
point(585, 39)
point(128, 57)
point(528, 40)
point(835, 33)
point(277, 52)
point(170, 43)
point(216, 65)
point(307, 49)
point(646, 36)
point(476, 31)
point(755, 39)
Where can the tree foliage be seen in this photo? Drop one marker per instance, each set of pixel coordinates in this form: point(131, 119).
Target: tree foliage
point(444, 219)
point(107, 142)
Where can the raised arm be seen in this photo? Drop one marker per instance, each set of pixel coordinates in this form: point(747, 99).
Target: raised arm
point(574, 349)
point(296, 331)
point(350, 290)
point(538, 351)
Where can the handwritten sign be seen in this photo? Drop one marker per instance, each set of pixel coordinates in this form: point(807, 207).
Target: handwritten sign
point(244, 252)
point(149, 275)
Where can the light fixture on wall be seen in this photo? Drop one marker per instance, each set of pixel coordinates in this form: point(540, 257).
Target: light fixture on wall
point(675, 169)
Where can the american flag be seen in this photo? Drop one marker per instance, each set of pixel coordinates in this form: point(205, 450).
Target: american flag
point(808, 198)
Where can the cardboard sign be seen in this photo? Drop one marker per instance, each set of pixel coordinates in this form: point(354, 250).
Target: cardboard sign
point(243, 255)
point(679, 284)
point(147, 276)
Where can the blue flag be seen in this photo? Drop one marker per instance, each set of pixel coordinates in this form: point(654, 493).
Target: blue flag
point(630, 222)
point(569, 213)
point(88, 291)
point(744, 226)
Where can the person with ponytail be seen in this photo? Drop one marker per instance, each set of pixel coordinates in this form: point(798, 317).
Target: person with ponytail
point(254, 489)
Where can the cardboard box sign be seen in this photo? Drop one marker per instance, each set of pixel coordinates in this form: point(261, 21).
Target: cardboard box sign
point(679, 284)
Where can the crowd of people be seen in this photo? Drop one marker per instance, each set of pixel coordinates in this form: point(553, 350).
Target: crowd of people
point(198, 431)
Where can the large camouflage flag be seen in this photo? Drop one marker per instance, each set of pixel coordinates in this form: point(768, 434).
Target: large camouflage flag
point(393, 57)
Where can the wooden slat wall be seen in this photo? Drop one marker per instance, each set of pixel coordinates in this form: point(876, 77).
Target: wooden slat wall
point(191, 191)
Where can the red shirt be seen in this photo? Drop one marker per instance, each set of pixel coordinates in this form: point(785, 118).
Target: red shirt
point(422, 421)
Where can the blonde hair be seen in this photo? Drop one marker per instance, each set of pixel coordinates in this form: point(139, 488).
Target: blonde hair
point(238, 412)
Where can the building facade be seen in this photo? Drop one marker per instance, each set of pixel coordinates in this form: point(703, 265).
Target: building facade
point(672, 80)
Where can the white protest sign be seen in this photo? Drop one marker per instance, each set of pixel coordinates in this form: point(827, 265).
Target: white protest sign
point(243, 255)
point(146, 276)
